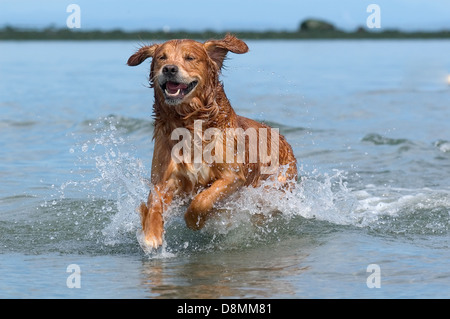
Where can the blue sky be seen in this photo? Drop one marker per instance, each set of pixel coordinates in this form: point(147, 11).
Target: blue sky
point(408, 15)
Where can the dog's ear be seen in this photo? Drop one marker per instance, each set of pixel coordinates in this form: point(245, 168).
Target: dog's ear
point(218, 49)
point(143, 53)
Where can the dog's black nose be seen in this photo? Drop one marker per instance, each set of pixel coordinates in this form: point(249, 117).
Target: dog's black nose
point(170, 69)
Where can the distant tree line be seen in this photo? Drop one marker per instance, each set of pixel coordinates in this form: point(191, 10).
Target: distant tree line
point(308, 29)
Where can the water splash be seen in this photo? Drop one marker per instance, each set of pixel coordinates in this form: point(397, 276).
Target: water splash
point(249, 217)
point(320, 203)
point(443, 146)
point(108, 171)
point(256, 216)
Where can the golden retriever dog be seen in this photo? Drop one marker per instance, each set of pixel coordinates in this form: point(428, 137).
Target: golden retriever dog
point(221, 151)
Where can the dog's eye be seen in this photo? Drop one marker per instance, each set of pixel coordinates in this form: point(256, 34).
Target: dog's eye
point(163, 57)
point(189, 58)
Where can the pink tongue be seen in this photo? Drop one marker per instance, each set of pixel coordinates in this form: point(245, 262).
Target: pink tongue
point(173, 87)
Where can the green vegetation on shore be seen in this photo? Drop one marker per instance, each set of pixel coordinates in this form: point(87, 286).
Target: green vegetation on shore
point(310, 29)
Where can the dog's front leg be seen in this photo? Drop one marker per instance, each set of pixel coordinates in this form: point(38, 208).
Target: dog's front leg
point(152, 215)
point(202, 204)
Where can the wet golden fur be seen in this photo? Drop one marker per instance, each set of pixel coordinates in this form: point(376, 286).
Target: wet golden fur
point(206, 183)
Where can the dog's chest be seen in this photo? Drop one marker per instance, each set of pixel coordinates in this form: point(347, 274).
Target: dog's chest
point(190, 177)
point(198, 173)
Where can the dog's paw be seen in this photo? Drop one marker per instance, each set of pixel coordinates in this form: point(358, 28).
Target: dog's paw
point(151, 236)
point(149, 242)
point(153, 241)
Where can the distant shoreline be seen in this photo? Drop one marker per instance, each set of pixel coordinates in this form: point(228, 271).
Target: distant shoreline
point(51, 33)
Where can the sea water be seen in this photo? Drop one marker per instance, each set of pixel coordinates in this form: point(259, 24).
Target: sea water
point(369, 125)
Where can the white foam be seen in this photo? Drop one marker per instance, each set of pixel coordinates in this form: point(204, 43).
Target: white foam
point(320, 197)
point(325, 197)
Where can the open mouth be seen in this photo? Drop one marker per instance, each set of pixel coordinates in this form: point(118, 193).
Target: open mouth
point(177, 91)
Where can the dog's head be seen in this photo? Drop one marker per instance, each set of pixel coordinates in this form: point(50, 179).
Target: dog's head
point(180, 69)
